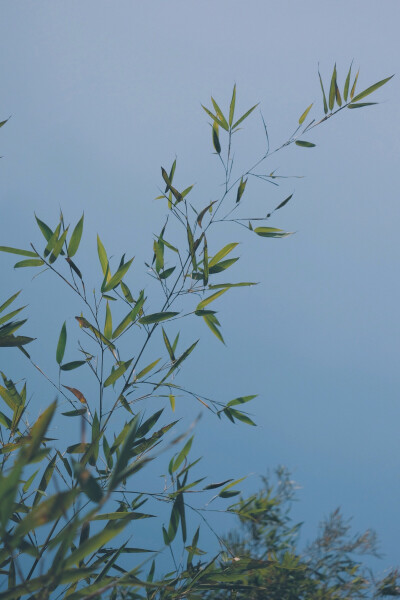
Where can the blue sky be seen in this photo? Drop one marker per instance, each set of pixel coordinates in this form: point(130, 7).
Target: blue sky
point(101, 94)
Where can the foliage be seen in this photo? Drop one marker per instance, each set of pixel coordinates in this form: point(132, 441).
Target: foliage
point(66, 514)
point(330, 567)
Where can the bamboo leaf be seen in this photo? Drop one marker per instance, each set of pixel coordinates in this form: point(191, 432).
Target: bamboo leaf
point(211, 324)
point(117, 373)
point(75, 238)
point(30, 262)
point(304, 144)
point(203, 212)
point(215, 138)
point(232, 106)
point(243, 117)
point(157, 317)
point(102, 256)
point(58, 247)
point(210, 299)
point(108, 322)
point(9, 301)
point(124, 454)
point(323, 94)
point(332, 90)
point(44, 482)
point(305, 113)
point(17, 251)
point(77, 394)
point(220, 114)
point(371, 89)
point(353, 88)
point(62, 340)
point(147, 369)
point(214, 117)
point(168, 345)
point(222, 253)
point(72, 365)
point(347, 84)
point(271, 232)
point(45, 229)
point(361, 104)
point(117, 278)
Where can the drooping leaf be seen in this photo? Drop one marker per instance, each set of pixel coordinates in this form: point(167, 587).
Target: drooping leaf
point(241, 188)
point(215, 138)
point(75, 238)
point(62, 340)
point(77, 394)
point(211, 324)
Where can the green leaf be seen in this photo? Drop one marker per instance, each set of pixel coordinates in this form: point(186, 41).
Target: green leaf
point(17, 251)
point(221, 254)
point(9, 301)
point(30, 262)
point(241, 417)
point(241, 400)
point(45, 229)
point(304, 144)
point(353, 88)
point(243, 117)
point(62, 340)
point(29, 482)
point(347, 84)
point(168, 345)
point(271, 232)
point(241, 188)
point(172, 402)
point(215, 138)
point(305, 113)
point(201, 214)
point(323, 94)
point(361, 104)
point(117, 373)
point(12, 341)
point(131, 316)
point(179, 361)
point(165, 274)
point(10, 315)
point(75, 413)
point(85, 323)
point(45, 512)
point(220, 114)
point(210, 299)
point(214, 118)
point(371, 89)
point(44, 482)
point(116, 279)
point(102, 256)
point(206, 266)
point(223, 265)
point(157, 317)
point(58, 246)
point(75, 238)
point(126, 291)
point(124, 454)
point(232, 106)
point(192, 250)
point(108, 322)
point(182, 454)
point(147, 369)
point(332, 90)
point(211, 324)
point(72, 365)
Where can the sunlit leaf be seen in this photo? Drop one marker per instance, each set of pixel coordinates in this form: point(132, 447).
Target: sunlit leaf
point(305, 113)
point(102, 256)
point(347, 84)
point(17, 251)
point(30, 262)
point(371, 89)
point(221, 254)
point(323, 94)
point(241, 188)
point(75, 238)
point(108, 322)
point(353, 88)
point(9, 301)
point(147, 369)
point(117, 277)
point(117, 373)
point(210, 299)
point(211, 324)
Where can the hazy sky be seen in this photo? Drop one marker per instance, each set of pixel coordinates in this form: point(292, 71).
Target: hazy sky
point(101, 94)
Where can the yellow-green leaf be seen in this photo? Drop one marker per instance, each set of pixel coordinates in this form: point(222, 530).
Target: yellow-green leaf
point(305, 113)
